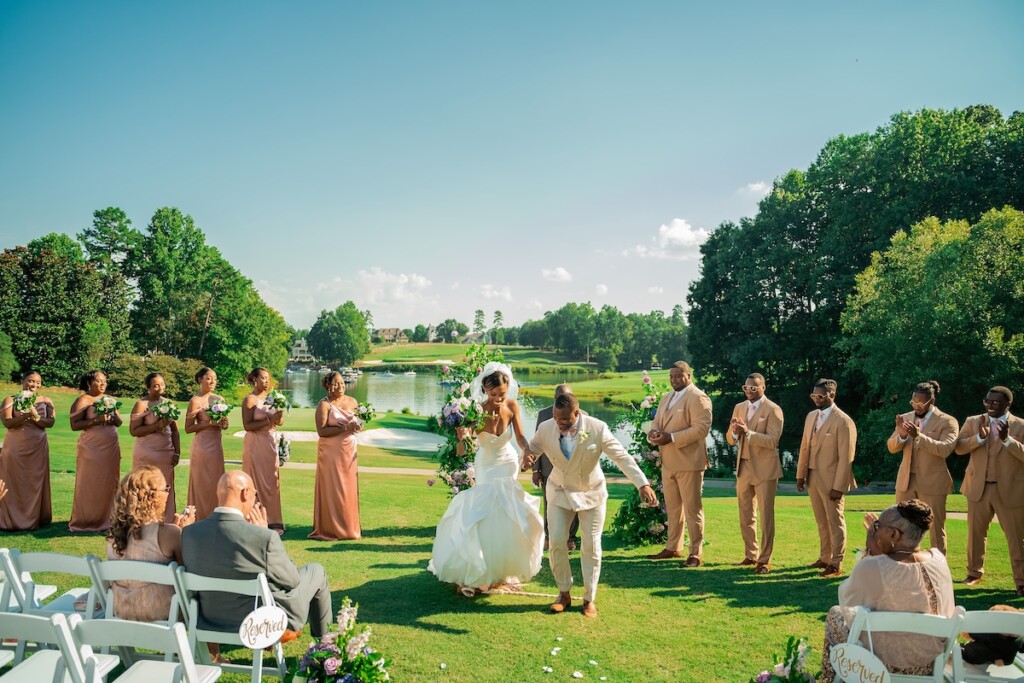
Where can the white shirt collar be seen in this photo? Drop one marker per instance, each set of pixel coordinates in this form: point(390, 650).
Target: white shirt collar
point(229, 510)
point(827, 411)
point(755, 404)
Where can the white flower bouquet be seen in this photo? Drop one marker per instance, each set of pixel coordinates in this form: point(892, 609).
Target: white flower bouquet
point(24, 401)
point(166, 409)
point(106, 405)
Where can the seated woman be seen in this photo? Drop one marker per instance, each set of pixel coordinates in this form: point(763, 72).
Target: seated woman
point(138, 532)
point(894, 576)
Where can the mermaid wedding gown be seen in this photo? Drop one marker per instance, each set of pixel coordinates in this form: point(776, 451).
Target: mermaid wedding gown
point(492, 531)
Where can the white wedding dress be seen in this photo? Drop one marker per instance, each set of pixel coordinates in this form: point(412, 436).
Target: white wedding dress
point(492, 531)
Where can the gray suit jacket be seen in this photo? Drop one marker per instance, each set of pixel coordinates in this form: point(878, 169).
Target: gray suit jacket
point(226, 546)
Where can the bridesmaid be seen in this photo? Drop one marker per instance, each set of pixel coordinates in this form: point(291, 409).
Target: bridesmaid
point(336, 499)
point(259, 450)
point(98, 462)
point(26, 461)
point(157, 441)
point(206, 455)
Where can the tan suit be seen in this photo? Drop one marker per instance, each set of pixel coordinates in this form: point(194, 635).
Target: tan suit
point(826, 464)
point(683, 461)
point(576, 486)
point(994, 484)
point(923, 472)
point(758, 470)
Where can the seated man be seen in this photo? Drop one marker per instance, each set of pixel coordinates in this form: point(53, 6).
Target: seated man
point(235, 543)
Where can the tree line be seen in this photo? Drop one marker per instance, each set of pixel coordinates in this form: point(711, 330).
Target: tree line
point(896, 257)
point(122, 298)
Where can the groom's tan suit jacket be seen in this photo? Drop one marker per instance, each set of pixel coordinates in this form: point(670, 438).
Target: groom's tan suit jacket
point(578, 483)
point(926, 455)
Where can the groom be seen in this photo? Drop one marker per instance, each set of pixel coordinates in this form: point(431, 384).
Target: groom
point(574, 444)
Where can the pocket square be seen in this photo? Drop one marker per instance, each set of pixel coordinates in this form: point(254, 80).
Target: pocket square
point(592, 447)
point(763, 417)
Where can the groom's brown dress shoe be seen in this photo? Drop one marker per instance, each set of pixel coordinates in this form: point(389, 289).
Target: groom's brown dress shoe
point(746, 562)
point(665, 555)
point(972, 580)
point(818, 564)
point(762, 568)
point(561, 604)
point(589, 609)
point(692, 561)
point(830, 571)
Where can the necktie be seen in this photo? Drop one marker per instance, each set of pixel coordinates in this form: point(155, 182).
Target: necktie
point(750, 412)
point(565, 443)
point(920, 423)
point(821, 421)
point(992, 433)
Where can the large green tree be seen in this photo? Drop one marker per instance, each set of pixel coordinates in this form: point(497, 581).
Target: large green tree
point(340, 336)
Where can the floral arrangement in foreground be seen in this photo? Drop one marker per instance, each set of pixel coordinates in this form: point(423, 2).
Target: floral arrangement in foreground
point(106, 405)
point(365, 412)
point(460, 410)
point(25, 401)
point(276, 400)
point(343, 656)
point(166, 409)
point(791, 668)
point(635, 522)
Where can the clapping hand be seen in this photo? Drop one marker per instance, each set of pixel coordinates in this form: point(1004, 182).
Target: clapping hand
point(984, 426)
point(901, 427)
point(1002, 430)
point(911, 429)
point(258, 515)
point(738, 426)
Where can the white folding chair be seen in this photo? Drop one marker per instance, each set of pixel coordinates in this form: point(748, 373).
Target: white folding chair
point(8, 603)
point(16, 564)
point(989, 622)
point(44, 665)
point(105, 572)
point(947, 628)
point(191, 584)
point(171, 639)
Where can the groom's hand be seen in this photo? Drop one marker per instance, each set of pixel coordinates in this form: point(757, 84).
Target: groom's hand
point(648, 496)
point(528, 460)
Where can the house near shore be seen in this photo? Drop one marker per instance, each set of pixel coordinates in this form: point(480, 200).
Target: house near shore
point(299, 353)
point(390, 335)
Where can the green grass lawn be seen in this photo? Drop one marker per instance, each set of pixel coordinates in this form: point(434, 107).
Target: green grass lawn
point(611, 387)
point(517, 356)
point(658, 622)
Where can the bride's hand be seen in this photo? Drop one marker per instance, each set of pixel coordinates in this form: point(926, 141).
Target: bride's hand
point(463, 432)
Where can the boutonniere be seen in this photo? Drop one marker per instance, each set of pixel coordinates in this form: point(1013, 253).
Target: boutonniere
point(584, 436)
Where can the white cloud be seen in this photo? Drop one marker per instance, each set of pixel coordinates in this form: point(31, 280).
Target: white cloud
point(381, 287)
point(601, 289)
point(489, 292)
point(677, 241)
point(756, 190)
point(655, 290)
point(558, 274)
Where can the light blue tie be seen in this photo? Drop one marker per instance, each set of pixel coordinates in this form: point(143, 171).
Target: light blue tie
point(565, 443)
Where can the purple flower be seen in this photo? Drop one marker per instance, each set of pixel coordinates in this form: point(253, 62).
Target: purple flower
point(430, 482)
point(453, 419)
point(763, 677)
point(454, 334)
point(331, 665)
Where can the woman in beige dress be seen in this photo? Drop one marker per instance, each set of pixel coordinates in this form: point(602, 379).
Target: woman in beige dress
point(137, 532)
point(206, 455)
point(896, 575)
point(259, 450)
point(98, 461)
point(157, 441)
point(26, 461)
point(336, 497)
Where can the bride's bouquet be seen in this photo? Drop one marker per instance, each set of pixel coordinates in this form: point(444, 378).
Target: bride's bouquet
point(24, 401)
point(166, 409)
point(276, 400)
point(106, 405)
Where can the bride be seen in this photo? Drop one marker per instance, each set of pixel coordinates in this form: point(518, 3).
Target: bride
point(492, 533)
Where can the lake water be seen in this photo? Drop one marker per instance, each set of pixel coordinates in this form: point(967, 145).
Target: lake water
point(422, 394)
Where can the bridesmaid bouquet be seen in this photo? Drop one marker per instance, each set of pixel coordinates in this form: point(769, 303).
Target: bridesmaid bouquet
point(792, 668)
point(24, 401)
point(166, 410)
point(106, 405)
point(276, 400)
point(218, 411)
point(365, 412)
point(343, 656)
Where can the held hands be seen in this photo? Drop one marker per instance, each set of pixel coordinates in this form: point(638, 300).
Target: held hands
point(738, 426)
point(258, 515)
point(528, 460)
point(648, 497)
point(656, 437)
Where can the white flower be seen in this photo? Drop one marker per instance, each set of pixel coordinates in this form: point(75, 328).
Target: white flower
point(645, 427)
point(645, 404)
point(584, 436)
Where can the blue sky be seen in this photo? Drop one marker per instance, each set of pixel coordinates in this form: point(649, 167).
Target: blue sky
point(426, 159)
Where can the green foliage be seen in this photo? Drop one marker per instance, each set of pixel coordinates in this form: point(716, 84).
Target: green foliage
point(339, 336)
point(8, 363)
point(109, 239)
point(451, 331)
point(479, 321)
point(635, 523)
point(944, 301)
point(61, 245)
point(96, 343)
point(127, 375)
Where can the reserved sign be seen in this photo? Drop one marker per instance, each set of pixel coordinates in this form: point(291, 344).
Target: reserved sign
point(855, 664)
point(263, 627)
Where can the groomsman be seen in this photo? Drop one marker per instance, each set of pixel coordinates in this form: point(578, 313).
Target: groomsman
point(825, 469)
point(756, 427)
point(680, 430)
point(992, 483)
point(542, 471)
point(925, 437)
